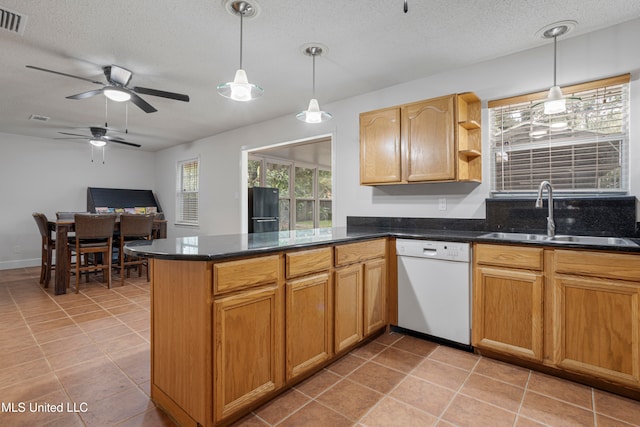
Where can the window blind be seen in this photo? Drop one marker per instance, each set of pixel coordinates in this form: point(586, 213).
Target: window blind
point(584, 150)
point(187, 192)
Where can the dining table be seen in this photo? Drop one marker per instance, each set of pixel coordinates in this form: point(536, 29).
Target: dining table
point(63, 227)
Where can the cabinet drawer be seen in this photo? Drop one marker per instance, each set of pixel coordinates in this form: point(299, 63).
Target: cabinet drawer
point(598, 264)
point(233, 275)
point(509, 256)
point(306, 262)
point(357, 252)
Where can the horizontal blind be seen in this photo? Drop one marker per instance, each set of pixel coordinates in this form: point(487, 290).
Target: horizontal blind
point(188, 192)
point(584, 150)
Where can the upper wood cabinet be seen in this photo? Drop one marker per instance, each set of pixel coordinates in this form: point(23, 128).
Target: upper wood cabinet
point(434, 140)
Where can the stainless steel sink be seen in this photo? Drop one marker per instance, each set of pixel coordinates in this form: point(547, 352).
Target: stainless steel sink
point(578, 240)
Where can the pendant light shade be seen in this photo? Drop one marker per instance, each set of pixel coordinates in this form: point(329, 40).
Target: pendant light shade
point(313, 114)
point(240, 89)
point(556, 102)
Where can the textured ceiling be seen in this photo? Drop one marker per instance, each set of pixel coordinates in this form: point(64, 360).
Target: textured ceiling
point(192, 46)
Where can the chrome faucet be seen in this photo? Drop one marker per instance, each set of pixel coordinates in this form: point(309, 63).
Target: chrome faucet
point(551, 225)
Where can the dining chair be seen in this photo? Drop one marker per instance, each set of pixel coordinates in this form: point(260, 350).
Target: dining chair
point(94, 236)
point(133, 227)
point(47, 248)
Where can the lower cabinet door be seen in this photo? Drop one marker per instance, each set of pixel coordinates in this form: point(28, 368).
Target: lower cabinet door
point(598, 327)
point(348, 312)
point(248, 348)
point(507, 311)
point(375, 295)
point(308, 324)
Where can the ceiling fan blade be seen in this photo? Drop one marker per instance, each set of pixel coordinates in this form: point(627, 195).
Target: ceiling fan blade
point(121, 141)
point(65, 74)
point(85, 95)
point(161, 93)
point(74, 134)
point(84, 137)
point(144, 105)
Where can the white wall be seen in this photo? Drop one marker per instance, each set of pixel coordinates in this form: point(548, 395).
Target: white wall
point(44, 175)
point(605, 53)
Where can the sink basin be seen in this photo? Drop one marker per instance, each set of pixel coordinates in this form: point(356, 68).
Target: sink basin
point(578, 240)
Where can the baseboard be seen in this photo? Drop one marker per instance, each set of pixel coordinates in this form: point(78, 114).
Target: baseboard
point(19, 263)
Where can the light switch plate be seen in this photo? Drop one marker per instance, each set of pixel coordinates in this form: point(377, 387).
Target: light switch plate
point(442, 204)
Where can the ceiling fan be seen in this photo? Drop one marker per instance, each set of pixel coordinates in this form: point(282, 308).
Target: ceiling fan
point(117, 88)
point(99, 138)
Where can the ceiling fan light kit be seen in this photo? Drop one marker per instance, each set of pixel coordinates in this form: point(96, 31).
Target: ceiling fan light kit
point(116, 94)
point(240, 89)
point(313, 114)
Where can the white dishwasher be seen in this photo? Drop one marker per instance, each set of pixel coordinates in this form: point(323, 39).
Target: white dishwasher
point(434, 289)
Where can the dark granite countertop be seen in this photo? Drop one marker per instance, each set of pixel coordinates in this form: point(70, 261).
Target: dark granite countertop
point(207, 248)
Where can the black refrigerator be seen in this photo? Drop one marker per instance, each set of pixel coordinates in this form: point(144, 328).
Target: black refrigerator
point(263, 209)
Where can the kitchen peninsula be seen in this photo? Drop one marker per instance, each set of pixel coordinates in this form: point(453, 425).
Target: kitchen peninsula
point(237, 319)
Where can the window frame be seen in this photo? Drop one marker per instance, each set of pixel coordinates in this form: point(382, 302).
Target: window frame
point(193, 221)
point(495, 106)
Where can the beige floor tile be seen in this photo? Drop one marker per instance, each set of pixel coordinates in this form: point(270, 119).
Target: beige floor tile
point(117, 408)
point(346, 365)
point(617, 407)
point(369, 350)
point(316, 415)
point(465, 411)
point(318, 383)
point(497, 393)
point(441, 373)
point(423, 395)
point(554, 412)
point(458, 358)
point(282, 406)
point(350, 399)
point(375, 376)
point(415, 345)
point(392, 413)
point(561, 389)
point(502, 371)
point(398, 359)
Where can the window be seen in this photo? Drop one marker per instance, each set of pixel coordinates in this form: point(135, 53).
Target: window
point(584, 150)
point(187, 192)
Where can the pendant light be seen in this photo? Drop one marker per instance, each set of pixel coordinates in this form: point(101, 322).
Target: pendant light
point(313, 114)
point(240, 89)
point(556, 102)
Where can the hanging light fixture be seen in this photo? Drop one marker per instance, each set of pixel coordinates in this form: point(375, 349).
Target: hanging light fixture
point(313, 114)
point(240, 89)
point(556, 102)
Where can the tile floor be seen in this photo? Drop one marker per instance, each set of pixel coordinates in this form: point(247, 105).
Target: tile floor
point(88, 355)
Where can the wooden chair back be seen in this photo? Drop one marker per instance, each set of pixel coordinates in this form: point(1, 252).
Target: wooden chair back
point(94, 226)
point(136, 226)
point(43, 224)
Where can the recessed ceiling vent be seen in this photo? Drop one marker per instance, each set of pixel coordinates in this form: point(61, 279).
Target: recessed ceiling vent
point(12, 21)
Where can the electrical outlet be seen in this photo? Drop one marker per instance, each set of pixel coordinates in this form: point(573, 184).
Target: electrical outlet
point(442, 204)
point(17, 249)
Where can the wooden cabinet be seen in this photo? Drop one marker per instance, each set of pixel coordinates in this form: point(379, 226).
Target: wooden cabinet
point(374, 296)
point(433, 140)
point(573, 311)
point(248, 348)
point(308, 310)
point(347, 307)
point(507, 300)
point(380, 147)
point(360, 292)
point(596, 315)
point(248, 338)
